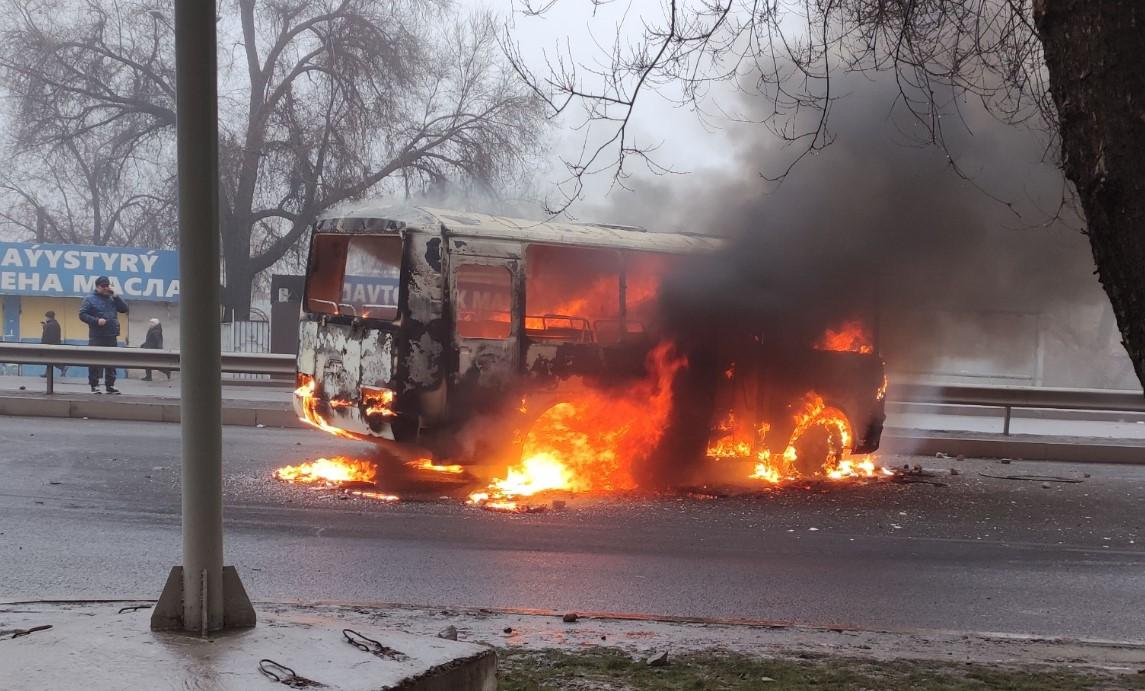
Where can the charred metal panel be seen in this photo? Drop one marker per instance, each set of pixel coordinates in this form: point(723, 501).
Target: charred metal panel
point(476, 247)
point(424, 331)
point(487, 364)
point(337, 362)
point(476, 227)
point(307, 343)
point(344, 357)
point(548, 364)
point(486, 371)
point(377, 359)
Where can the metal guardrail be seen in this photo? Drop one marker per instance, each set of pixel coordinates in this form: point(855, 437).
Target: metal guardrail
point(1010, 397)
point(1005, 397)
point(134, 358)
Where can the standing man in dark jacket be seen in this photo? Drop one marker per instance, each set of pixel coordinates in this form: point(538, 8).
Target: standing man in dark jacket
point(52, 335)
point(100, 311)
point(154, 341)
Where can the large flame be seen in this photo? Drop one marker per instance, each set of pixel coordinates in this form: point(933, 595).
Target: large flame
point(592, 442)
point(831, 458)
point(329, 471)
point(852, 336)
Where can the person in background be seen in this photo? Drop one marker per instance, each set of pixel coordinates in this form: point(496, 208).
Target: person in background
point(154, 341)
point(52, 335)
point(100, 311)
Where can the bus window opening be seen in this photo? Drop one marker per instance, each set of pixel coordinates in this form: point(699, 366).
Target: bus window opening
point(572, 294)
point(354, 275)
point(643, 274)
point(484, 303)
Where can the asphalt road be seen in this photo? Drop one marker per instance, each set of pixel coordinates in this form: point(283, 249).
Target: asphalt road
point(90, 510)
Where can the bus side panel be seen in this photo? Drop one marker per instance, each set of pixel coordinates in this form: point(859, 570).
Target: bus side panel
point(307, 346)
point(424, 332)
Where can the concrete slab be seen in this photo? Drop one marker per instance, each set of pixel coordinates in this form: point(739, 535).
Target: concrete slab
point(97, 646)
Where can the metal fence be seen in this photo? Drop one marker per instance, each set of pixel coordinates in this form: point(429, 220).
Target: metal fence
point(1007, 398)
point(263, 364)
point(245, 337)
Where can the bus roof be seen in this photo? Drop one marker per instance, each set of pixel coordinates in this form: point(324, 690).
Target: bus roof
point(555, 232)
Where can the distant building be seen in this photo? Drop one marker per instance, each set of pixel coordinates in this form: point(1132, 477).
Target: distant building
point(37, 277)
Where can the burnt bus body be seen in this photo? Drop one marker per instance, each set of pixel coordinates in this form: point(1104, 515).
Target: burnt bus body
point(425, 330)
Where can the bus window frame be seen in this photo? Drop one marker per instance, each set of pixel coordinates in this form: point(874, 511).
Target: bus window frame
point(339, 315)
point(498, 264)
point(537, 338)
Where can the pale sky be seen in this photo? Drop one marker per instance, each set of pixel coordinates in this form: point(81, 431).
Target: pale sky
point(686, 142)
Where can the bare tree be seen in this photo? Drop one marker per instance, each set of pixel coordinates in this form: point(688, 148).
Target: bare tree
point(75, 192)
point(81, 171)
point(1072, 66)
point(321, 101)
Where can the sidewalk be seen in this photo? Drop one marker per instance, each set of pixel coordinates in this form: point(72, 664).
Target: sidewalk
point(98, 645)
point(265, 404)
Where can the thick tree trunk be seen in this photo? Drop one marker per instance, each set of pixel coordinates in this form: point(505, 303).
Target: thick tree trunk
point(238, 275)
point(1094, 51)
point(236, 292)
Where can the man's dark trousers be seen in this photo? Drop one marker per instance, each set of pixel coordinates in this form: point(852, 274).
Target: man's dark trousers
point(94, 373)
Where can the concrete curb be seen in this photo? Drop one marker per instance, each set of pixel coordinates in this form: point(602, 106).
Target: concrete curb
point(143, 409)
point(1025, 447)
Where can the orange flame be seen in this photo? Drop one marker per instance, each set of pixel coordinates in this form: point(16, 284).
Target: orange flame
point(836, 463)
point(593, 442)
point(377, 496)
point(852, 337)
point(378, 401)
point(728, 444)
point(330, 471)
point(310, 414)
point(814, 413)
point(375, 401)
point(428, 464)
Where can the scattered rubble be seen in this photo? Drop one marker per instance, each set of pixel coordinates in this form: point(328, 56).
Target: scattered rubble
point(658, 660)
point(449, 633)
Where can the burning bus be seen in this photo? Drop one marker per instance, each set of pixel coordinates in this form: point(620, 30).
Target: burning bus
point(542, 346)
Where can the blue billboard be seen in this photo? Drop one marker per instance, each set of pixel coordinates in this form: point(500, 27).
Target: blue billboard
point(71, 270)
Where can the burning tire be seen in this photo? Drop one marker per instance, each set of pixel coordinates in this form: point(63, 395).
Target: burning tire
point(820, 443)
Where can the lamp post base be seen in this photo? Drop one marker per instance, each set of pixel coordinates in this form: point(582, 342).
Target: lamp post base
point(238, 613)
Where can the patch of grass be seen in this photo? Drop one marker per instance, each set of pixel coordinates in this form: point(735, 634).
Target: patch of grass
point(607, 669)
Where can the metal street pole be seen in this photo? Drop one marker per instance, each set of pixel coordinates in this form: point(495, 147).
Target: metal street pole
point(209, 601)
point(196, 77)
